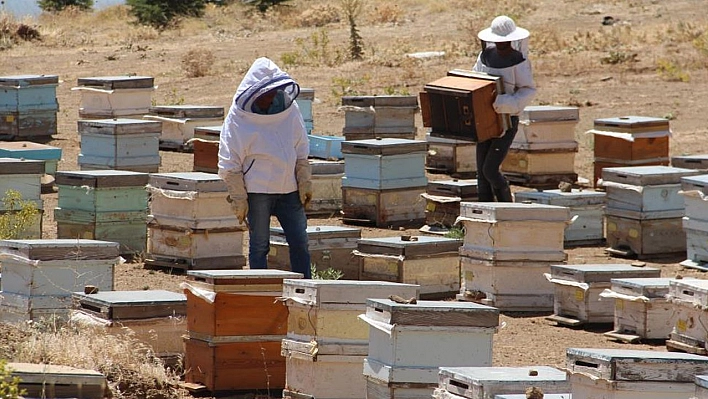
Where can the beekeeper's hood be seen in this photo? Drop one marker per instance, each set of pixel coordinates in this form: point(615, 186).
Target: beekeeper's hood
point(262, 77)
point(504, 29)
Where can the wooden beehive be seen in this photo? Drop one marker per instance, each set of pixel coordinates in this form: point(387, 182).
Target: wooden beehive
point(156, 318)
point(587, 209)
point(577, 290)
point(689, 298)
point(450, 156)
point(326, 187)
point(630, 234)
point(431, 262)
point(443, 199)
point(504, 231)
point(217, 248)
point(179, 122)
point(617, 373)
point(29, 150)
point(642, 311)
point(125, 144)
point(206, 148)
point(368, 117)
point(102, 191)
point(114, 96)
point(696, 242)
point(304, 102)
point(384, 208)
point(540, 162)
point(546, 127)
point(486, 382)
point(378, 389)
point(128, 228)
point(330, 247)
point(514, 286)
point(701, 387)
point(695, 190)
point(40, 380)
point(384, 164)
point(697, 161)
point(326, 147)
point(28, 106)
point(23, 176)
point(566, 395)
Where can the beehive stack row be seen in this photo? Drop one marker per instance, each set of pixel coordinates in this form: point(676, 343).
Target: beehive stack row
point(108, 97)
point(191, 223)
point(695, 221)
point(644, 210)
point(369, 117)
point(383, 180)
point(690, 302)
point(304, 102)
point(326, 344)
point(457, 158)
point(39, 276)
point(28, 106)
point(326, 188)
point(543, 151)
point(179, 122)
point(109, 205)
point(24, 178)
point(443, 199)
point(489, 382)
point(503, 260)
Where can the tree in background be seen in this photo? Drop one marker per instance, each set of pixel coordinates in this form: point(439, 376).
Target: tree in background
point(264, 5)
point(352, 10)
point(58, 5)
point(161, 14)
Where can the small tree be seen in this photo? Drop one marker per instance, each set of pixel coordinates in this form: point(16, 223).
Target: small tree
point(264, 5)
point(9, 385)
point(19, 216)
point(58, 5)
point(352, 10)
point(160, 14)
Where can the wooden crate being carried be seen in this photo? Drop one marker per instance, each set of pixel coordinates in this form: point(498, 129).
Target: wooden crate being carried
point(28, 106)
point(488, 382)
point(114, 96)
point(179, 122)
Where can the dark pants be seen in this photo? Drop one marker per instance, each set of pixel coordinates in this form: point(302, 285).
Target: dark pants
point(491, 182)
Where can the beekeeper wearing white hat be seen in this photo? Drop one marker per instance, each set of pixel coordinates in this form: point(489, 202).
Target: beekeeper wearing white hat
point(263, 152)
point(505, 54)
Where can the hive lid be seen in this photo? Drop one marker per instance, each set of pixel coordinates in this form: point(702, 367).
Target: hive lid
point(188, 111)
point(117, 82)
point(17, 166)
point(380, 101)
point(598, 273)
point(323, 167)
point(432, 313)
point(549, 113)
point(383, 146)
point(632, 124)
point(513, 211)
point(646, 175)
point(702, 381)
point(408, 246)
point(253, 276)
point(651, 287)
point(321, 292)
point(210, 132)
point(132, 304)
point(60, 249)
point(119, 126)
point(306, 94)
point(101, 178)
point(453, 378)
point(188, 181)
point(453, 188)
point(573, 198)
point(322, 232)
point(30, 150)
point(699, 183)
point(28, 80)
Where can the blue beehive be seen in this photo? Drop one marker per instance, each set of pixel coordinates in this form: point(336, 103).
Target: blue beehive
point(304, 102)
point(28, 105)
point(29, 150)
point(326, 147)
point(384, 163)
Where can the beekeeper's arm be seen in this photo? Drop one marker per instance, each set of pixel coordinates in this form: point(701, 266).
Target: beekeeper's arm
point(303, 170)
point(231, 171)
point(524, 91)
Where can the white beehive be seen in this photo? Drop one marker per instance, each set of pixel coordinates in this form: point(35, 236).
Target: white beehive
point(451, 156)
point(701, 387)
point(326, 187)
point(123, 144)
point(114, 96)
point(179, 122)
point(690, 300)
point(383, 164)
point(698, 161)
point(486, 382)
point(543, 127)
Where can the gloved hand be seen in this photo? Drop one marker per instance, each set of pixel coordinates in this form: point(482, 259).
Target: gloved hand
point(303, 174)
point(238, 197)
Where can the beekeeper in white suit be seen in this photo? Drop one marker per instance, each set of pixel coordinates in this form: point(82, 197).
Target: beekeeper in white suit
point(504, 53)
point(263, 152)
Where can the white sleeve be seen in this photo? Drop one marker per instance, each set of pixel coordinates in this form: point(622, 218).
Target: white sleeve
point(230, 151)
point(525, 89)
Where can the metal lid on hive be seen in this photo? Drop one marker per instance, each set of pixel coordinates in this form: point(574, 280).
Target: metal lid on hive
point(453, 187)
point(507, 211)
point(646, 175)
point(119, 126)
point(319, 292)
point(384, 146)
point(131, 305)
point(101, 178)
point(28, 80)
point(632, 124)
point(188, 181)
point(432, 313)
point(188, 111)
point(575, 197)
point(15, 166)
point(409, 246)
point(549, 113)
point(60, 249)
point(597, 273)
point(117, 82)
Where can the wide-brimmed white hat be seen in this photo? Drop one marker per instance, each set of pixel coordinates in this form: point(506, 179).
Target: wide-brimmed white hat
point(503, 29)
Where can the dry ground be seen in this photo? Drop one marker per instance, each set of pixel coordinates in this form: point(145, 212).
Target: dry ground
point(651, 62)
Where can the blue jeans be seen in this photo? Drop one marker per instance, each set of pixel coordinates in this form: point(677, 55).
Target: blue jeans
point(291, 215)
point(490, 155)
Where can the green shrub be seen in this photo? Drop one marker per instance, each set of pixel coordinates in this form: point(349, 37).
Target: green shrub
point(161, 14)
point(58, 5)
point(326, 274)
point(19, 216)
point(9, 385)
point(264, 5)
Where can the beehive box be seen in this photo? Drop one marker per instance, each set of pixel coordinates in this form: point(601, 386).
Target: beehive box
point(326, 187)
point(127, 144)
point(514, 286)
point(384, 208)
point(382, 116)
point(701, 387)
point(326, 147)
point(127, 228)
point(193, 200)
point(695, 193)
point(206, 148)
point(443, 200)
point(540, 162)
point(698, 161)
point(219, 248)
point(451, 156)
point(577, 290)
point(28, 106)
point(29, 150)
point(378, 389)
point(398, 333)
point(431, 262)
point(156, 318)
point(642, 311)
point(56, 381)
point(689, 298)
point(102, 191)
point(324, 313)
point(545, 396)
point(384, 163)
point(330, 247)
point(696, 241)
point(617, 373)
point(645, 188)
point(304, 102)
point(23, 176)
point(486, 382)
point(546, 127)
point(179, 122)
point(504, 231)
point(114, 96)
point(630, 234)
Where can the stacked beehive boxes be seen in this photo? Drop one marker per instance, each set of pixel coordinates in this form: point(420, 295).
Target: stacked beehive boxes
point(330, 247)
point(487, 382)
point(326, 344)
point(577, 289)
point(28, 106)
point(126, 144)
point(326, 187)
point(383, 180)
point(29, 150)
point(39, 276)
point(106, 97)
point(644, 210)
point(192, 225)
point(690, 161)
point(642, 311)
point(503, 261)
point(443, 199)
point(235, 326)
point(369, 117)
point(690, 301)
point(587, 212)
point(629, 141)
point(695, 221)
point(179, 122)
point(543, 151)
point(205, 145)
point(110, 205)
point(24, 177)
point(431, 262)
point(617, 373)
point(40, 380)
point(457, 158)
point(401, 362)
point(304, 102)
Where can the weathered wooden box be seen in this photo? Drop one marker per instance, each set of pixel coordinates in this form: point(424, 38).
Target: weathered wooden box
point(431, 262)
point(326, 187)
point(632, 234)
point(701, 387)
point(600, 165)
point(193, 200)
point(380, 115)
point(378, 389)
point(29, 150)
point(486, 382)
point(540, 162)
point(587, 209)
point(695, 183)
point(566, 395)
point(304, 102)
point(696, 239)
point(454, 157)
point(205, 145)
point(102, 191)
point(384, 163)
point(180, 121)
point(326, 147)
point(642, 311)
point(324, 313)
point(515, 286)
point(156, 318)
point(689, 298)
point(504, 231)
point(330, 247)
point(698, 161)
point(577, 290)
point(443, 199)
point(399, 337)
point(114, 96)
point(695, 197)
point(625, 374)
point(40, 380)
point(128, 228)
point(28, 106)
point(466, 190)
point(126, 144)
point(27, 125)
point(23, 176)
point(546, 127)
point(384, 208)
point(219, 245)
